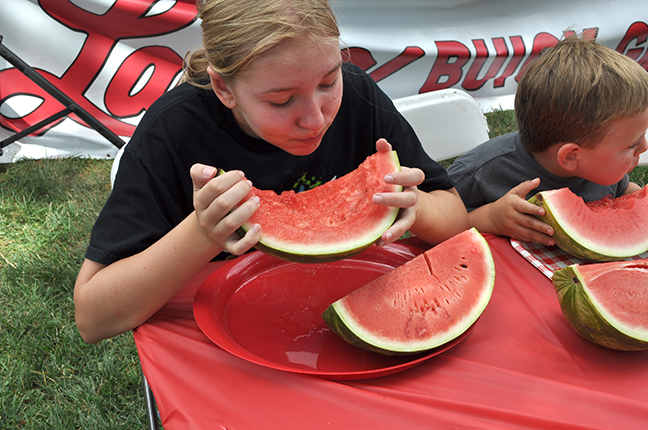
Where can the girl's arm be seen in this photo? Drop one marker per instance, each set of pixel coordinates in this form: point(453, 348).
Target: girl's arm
point(113, 299)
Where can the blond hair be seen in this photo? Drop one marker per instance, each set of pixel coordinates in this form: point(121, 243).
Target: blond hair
point(235, 32)
point(574, 90)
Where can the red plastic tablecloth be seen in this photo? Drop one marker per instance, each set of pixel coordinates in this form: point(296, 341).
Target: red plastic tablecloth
point(522, 367)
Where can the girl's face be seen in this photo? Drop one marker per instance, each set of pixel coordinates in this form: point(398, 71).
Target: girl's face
point(288, 96)
point(618, 153)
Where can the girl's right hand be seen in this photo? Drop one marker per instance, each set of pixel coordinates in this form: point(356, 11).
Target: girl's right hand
point(215, 198)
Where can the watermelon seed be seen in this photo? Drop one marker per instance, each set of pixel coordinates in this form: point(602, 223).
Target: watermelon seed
point(463, 265)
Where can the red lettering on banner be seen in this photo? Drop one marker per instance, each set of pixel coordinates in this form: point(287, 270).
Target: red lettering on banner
point(148, 72)
point(588, 33)
point(540, 42)
point(121, 100)
point(125, 19)
point(447, 68)
point(519, 50)
point(409, 55)
point(361, 57)
point(637, 32)
point(471, 82)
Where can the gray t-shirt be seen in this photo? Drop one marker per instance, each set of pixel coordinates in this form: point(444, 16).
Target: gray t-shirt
point(489, 171)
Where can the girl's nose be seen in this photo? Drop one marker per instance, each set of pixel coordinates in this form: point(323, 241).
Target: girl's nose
point(312, 115)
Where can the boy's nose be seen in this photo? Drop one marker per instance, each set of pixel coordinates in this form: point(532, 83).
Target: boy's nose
point(643, 146)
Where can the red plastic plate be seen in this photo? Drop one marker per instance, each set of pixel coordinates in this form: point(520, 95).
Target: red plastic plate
point(268, 311)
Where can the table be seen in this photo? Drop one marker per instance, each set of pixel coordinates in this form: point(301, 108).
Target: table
point(522, 367)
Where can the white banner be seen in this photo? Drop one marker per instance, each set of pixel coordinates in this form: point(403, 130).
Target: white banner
point(115, 57)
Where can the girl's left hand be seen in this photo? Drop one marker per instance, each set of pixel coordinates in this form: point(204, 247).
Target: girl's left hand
point(407, 200)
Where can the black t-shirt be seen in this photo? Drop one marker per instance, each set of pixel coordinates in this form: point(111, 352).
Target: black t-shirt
point(153, 191)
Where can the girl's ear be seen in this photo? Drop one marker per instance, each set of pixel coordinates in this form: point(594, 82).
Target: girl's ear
point(221, 88)
point(568, 156)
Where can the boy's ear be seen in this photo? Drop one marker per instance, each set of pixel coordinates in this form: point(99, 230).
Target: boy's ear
point(221, 88)
point(568, 156)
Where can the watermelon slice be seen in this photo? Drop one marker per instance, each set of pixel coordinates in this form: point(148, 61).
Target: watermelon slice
point(606, 303)
point(425, 303)
point(330, 222)
point(604, 230)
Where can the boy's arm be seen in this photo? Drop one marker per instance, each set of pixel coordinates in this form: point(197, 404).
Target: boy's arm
point(512, 215)
point(632, 187)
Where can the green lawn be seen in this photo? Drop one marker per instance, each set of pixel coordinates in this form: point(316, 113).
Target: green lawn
point(51, 379)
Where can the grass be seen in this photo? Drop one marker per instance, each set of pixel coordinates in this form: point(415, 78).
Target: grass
point(51, 379)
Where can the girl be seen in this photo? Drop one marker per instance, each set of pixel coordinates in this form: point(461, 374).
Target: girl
point(268, 99)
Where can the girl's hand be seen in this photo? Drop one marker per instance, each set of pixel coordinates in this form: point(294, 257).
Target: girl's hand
point(407, 200)
point(215, 198)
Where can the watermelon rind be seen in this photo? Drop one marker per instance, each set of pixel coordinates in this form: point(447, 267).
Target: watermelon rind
point(309, 252)
point(588, 317)
point(348, 328)
point(568, 239)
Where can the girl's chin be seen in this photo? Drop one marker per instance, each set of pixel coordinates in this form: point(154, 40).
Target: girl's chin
point(302, 149)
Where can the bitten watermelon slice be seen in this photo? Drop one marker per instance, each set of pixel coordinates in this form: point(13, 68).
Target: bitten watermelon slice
point(425, 303)
point(604, 230)
point(330, 222)
point(606, 303)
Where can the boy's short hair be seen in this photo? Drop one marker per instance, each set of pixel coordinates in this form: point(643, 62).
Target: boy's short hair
point(574, 90)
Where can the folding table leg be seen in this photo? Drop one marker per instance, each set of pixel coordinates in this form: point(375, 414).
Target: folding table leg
point(151, 406)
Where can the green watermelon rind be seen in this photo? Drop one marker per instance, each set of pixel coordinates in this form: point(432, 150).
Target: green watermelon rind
point(569, 241)
point(339, 321)
point(314, 253)
point(588, 318)
point(310, 256)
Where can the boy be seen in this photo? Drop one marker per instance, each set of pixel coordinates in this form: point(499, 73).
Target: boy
point(582, 112)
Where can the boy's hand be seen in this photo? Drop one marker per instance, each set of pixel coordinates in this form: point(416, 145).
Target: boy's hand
point(407, 200)
point(512, 215)
point(214, 198)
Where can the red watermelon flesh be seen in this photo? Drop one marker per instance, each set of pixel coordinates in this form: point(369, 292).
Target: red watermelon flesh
point(422, 304)
point(603, 230)
point(607, 303)
point(330, 222)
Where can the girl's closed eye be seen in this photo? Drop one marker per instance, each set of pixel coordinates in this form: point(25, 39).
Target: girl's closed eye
point(281, 104)
point(331, 85)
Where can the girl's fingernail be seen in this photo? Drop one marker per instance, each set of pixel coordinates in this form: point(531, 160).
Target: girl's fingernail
point(389, 178)
point(209, 172)
point(377, 199)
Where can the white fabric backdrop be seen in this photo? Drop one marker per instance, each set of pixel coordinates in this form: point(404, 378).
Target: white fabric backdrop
point(114, 57)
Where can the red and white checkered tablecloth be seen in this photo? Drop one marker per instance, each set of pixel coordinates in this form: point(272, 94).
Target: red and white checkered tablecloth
point(548, 259)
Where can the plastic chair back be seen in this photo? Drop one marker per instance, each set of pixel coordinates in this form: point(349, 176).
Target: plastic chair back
point(448, 122)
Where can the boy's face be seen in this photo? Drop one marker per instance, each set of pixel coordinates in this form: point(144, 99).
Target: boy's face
point(618, 153)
